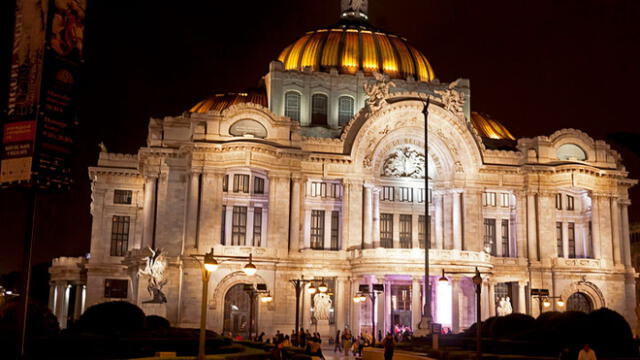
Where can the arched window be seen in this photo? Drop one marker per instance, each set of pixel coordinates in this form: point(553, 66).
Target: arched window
point(579, 302)
point(319, 109)
point(292, 105)
point(345, 109)
point(571, 152)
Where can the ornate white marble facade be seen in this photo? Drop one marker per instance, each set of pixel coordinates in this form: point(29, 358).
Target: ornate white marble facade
point(346, 203)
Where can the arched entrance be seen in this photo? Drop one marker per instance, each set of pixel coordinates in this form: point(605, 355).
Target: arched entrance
point(237, 311)
point(579, 302)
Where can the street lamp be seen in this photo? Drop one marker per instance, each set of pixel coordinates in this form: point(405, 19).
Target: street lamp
point(298, 284)
point(209, 264)
point(361, 297)
point(477, 281)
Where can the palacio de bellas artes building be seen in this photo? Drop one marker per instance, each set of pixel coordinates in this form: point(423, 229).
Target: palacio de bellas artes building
point(320, 175)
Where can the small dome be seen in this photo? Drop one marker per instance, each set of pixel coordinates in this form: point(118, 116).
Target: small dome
point(220, 102)
point(490, 128)
point(351, 46)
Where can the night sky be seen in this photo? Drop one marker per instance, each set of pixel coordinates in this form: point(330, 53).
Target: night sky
point(536, 66)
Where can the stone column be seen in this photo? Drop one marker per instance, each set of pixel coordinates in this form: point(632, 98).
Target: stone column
point(457, 219)
point(368, 217)
point(149, 209)
point(595, 225)
point(340, 308)
point(279, 190)
point(492, 298)
point(521, 220)
point(228, 226)
point(375, 193)
point(294, 231)
point(191, 221)
point(352, 219)
point(532, 237)
point(447, 217)
point(210, 230)
point(387, 310)
point(522, 297)
point(615, 230)
point(626, 241)
point(52, 296)
point(565, 239)
point(77, 310)
point(438, 205)
point(455, 304)
point(416, 304)
point(355, 308)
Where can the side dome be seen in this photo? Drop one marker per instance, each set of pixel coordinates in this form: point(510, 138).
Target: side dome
point(220, 102)
point(489, 128)
point(352, 47)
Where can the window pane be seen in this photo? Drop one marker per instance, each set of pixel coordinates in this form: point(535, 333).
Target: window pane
point(490, 236)
point(386, 230)
point(505, 238)
point(559, 245)
point(421, 231)
point(335, 230)
point(345, 110)
point(257, 226)
point(258, 185)
point(223, 234)
point(119, 235)
point(241, 183)
point(405, 231)
point(571, 237)
point(122, 196)
point(292, 105)
point(239, 226)
point(319, 109)
point(317, 229)
point(225, 183)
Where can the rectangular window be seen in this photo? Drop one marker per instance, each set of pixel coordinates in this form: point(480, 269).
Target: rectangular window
point(559, 244)
point(319, 109)
point(422, 230)
point(570, 202)
point(223, 232)
point(505, 238)
point(225, 183)
point(317, 229)
point(590, 241)
point(420, 195)
point(571, 237)
point(116, 288)
point(258, 185)
point(257, 226)
point(335, 230)
point(405, 231)
point(292, 105)
point(122, 197)
point(239, 226)
point(386, 230)
point(489, 199)
point(241, 183)
point(345, 109)
point(504, 200)
point(406, 194)
point(119, 235)
point(559, 201)
point(319, 189)
point(490, 236)
point(387, 193)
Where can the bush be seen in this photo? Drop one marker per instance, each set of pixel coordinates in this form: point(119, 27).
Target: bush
point(40, 321)
point(112, 318)
point(611, 334)
point(156, 323)
point(510, 326)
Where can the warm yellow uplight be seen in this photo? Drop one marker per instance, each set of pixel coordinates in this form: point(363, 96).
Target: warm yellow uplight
point(356, 299)
point(210, 263)
point(323, 287)
point(250, 269)
point(546, 303)
point(363, 298)
point(311, 289)
point(560, 302)
point(266, 298)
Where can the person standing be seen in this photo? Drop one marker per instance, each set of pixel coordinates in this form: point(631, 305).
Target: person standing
point(389, 344)
point(338, 344)
point(587, 353)
point(346, 341)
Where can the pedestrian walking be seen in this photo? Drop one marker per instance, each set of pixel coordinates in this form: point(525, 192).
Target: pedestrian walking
point(389, 344)
point(338, 346)
point(587, 353)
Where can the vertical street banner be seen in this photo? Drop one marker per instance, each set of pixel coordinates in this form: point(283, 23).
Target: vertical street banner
point(37, 133)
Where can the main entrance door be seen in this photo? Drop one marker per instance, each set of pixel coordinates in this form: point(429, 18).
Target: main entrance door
point(579, 302)
point(237, 311)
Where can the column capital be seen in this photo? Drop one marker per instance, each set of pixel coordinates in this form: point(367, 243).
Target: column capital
point(279, 176)
point(356, 182)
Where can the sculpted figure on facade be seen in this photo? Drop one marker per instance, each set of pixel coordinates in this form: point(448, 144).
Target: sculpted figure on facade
point(405, 162)
point(452, 99)
point(321, 305)
point(504, 306)
point(378, 91)
point(154, 272)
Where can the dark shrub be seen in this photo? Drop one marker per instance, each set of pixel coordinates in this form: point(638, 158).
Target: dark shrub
point(40, 321)
point(157, 323)
point(112, 318)
point(611, 334)
point(510, 326)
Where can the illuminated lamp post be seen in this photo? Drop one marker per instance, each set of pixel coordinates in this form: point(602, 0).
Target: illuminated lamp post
point(361, 296)
point(209, 264)
point(477, 281)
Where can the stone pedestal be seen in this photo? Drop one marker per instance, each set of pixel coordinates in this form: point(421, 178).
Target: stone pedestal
point(154, 309)
point(325, 330)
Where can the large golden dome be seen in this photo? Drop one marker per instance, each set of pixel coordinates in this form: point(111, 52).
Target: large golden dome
point(490, 128)
point(352, 46)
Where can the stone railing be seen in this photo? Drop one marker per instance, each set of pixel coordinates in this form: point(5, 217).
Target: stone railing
point(69, 261)
point(508, 261)
point(436, 256)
